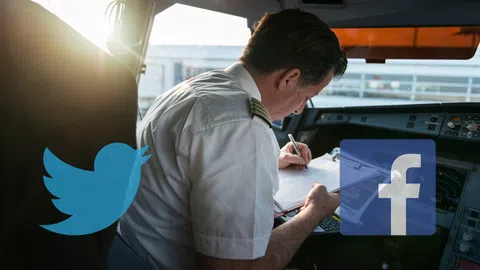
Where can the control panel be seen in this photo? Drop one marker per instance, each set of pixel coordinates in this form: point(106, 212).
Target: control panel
point(425, 123)
point(468, 235)
point(331, 118)
point(461, 126)
point(450, 183)
point(463, 247)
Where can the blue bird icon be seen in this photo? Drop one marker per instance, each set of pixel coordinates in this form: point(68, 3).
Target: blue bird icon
point(94, 199)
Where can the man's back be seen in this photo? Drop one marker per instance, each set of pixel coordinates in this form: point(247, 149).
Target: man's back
point(207, 190)
point(188, 180)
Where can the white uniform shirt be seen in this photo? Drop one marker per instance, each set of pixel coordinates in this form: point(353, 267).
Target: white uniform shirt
point(209, 183)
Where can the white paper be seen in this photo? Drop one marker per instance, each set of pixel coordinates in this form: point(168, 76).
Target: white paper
point(296, 184)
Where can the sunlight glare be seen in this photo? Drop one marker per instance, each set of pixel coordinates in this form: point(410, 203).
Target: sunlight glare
point(85, 16)
point(177, 25)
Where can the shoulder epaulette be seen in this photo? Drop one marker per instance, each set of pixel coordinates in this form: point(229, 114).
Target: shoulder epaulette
point(258, 109)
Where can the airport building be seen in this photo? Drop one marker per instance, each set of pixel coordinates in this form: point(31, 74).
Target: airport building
point(396, 82)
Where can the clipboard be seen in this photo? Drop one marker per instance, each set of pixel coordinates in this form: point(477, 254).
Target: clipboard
point(294, 185)
point(380, 175)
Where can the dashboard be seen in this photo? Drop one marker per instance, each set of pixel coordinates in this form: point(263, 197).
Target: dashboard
point(455, 128)
point(450, 184)
point(463, 126)
point(458, 126)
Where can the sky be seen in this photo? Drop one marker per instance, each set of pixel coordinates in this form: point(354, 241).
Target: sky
point(186, 25)
point(177, 25)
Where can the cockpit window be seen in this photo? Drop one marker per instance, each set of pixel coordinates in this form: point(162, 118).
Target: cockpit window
point(186, 41)
point(404, 82)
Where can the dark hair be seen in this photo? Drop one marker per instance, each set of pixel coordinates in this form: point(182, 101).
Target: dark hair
point(295, 39)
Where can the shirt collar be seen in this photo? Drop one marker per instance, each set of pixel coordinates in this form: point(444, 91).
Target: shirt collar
point(242, 76)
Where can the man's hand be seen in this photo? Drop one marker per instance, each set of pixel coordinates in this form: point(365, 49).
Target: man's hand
point(322, 202)
point(288, 156)
point(286, 238)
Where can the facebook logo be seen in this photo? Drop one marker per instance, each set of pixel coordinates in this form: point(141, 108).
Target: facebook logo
point(387, 187)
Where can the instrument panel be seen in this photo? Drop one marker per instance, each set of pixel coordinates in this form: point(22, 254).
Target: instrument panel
point(463, 126)
point(449, 187)
point(456, 131)
point(464, 239)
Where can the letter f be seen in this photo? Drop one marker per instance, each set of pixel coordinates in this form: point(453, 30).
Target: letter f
point(398, 191)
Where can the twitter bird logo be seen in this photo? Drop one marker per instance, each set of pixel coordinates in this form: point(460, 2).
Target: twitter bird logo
point(94, 199)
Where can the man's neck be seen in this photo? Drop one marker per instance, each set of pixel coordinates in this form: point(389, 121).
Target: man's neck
point(266, 87)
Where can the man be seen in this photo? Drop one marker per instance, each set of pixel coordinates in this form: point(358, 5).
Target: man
point(206, 194)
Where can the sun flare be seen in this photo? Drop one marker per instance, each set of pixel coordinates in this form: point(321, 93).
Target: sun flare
point(85, 16)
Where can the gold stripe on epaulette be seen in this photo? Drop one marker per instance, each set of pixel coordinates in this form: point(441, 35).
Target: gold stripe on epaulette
point(258, 109)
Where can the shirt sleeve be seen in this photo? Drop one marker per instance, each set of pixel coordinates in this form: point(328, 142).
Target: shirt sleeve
point(233, 168)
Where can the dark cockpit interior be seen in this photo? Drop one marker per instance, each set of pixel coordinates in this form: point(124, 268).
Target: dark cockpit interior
point(57, 94)
point(453, 244)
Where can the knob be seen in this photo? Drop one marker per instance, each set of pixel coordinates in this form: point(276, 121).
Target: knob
point(472, 126)
point(467, 236)
point(463, 247)
point(451, 125)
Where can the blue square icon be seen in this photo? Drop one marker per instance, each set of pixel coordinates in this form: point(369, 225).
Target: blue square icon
point(387, 187)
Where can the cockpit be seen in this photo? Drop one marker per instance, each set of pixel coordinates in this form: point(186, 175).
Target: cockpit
point(81, 74)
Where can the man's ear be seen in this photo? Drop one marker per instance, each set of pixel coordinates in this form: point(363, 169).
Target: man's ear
point(290, 79)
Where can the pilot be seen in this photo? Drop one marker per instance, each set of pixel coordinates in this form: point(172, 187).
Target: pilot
point(206, 195)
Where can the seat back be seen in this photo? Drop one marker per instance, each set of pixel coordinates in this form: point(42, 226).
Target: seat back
point(60, 91)
point(122, 257)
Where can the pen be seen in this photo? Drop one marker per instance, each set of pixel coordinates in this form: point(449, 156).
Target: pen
point(296, 148)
